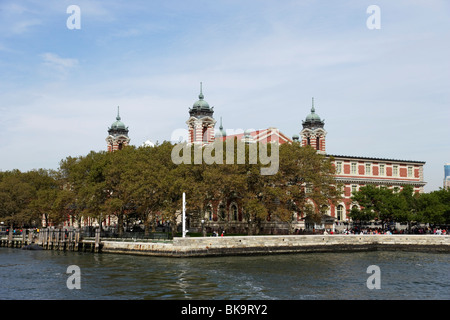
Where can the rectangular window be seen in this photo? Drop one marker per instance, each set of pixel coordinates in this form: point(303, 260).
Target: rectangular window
point(410, 172)
point(382, 171)
point(353, 169)
point(338, 167)
point(368, 169)
point(308, 189)
point(354, 188)
point(395, 171)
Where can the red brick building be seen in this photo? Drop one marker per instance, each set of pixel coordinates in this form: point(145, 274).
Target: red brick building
point(352, 171)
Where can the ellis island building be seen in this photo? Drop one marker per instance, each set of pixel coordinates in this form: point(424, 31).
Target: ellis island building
point(352, 172)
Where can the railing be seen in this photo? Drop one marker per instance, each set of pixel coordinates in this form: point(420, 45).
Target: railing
point(125, 236)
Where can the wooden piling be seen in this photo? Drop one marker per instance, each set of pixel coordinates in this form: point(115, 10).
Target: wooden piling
point(97, 240)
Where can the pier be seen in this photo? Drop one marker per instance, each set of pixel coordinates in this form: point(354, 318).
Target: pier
point(52, 239)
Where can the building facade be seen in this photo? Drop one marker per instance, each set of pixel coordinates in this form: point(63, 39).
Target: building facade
point(447, 175)
point(353, 172)
point(356, 172)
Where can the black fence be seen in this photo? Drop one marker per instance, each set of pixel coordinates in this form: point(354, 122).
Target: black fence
point(127, 235)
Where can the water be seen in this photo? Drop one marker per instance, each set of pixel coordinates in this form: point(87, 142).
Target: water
point(41, 275)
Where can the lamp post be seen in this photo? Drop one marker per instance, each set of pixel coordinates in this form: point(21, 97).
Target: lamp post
point(183, 231)
point(203, 228)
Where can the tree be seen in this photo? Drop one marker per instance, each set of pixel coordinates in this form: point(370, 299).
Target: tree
point(84, 180)
point(386, 205)
point(434, 207)
point(15, 195)
point(46, 193)
point(146, 192)
point(304, 177)
point(406, 208)
point(373, 202)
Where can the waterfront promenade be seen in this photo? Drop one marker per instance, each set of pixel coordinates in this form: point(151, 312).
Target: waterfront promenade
point(237, 245)
point(246, 245)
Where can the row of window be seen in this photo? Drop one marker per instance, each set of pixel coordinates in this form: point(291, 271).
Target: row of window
point(234, 216)
point(354, 188)
point(382, 169)
point(222, 213)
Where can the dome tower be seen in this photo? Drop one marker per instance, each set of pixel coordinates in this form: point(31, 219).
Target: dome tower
point(313, 133)
point(201, 122)
point(117, 135)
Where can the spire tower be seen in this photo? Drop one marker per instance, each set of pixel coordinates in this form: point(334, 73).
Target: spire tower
point(117, 135)
point(201, 122)
point(313, 133)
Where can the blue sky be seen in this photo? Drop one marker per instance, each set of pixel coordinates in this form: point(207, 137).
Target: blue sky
point(383, 93)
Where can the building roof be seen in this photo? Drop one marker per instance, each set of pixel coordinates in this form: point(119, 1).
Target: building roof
point(201, 108)
point(377, 159)
point(118, 127)
point(313, 120)
point(262, 135)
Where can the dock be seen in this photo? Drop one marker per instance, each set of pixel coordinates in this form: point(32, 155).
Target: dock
point(53, 239)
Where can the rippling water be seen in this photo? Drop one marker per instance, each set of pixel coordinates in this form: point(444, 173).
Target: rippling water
point(404, 275)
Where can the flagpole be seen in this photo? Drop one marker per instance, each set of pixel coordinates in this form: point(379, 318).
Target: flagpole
point(184, 215)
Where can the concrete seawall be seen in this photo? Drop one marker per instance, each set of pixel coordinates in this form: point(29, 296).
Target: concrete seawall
point(247, 245)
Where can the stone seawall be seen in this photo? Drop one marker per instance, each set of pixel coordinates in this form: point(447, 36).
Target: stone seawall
point(247, 245)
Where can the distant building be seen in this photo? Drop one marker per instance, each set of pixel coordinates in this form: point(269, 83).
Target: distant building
point(447, 175)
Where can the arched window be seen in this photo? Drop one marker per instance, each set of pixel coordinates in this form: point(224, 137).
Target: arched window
point(205, 134)
point(209, 212)
point(340, 212)
point(234, 212)
point(222, 212)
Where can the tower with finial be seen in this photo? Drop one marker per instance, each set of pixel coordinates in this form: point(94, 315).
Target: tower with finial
point(117, 135)
point(221, 134)
point(201, 122)
point(313, 133)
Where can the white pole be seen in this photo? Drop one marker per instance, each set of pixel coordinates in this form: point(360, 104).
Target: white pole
point(184, 215)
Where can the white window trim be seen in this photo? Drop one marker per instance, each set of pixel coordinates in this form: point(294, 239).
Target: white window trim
point(395, 174)
point(355, 166)
point(382, 174)
point(408, 173)
point(370, 169)
point(340, 166)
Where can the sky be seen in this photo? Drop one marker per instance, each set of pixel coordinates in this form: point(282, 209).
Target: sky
point(383, 92)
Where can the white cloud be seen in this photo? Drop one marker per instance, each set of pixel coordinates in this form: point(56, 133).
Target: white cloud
point(57, 61)
point(53, 62)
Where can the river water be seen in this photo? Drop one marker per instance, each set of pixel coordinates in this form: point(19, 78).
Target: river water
point(42, 275)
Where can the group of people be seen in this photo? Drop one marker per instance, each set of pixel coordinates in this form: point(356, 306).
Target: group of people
point(440, 231)
point(414, 230)
point(367, 231)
